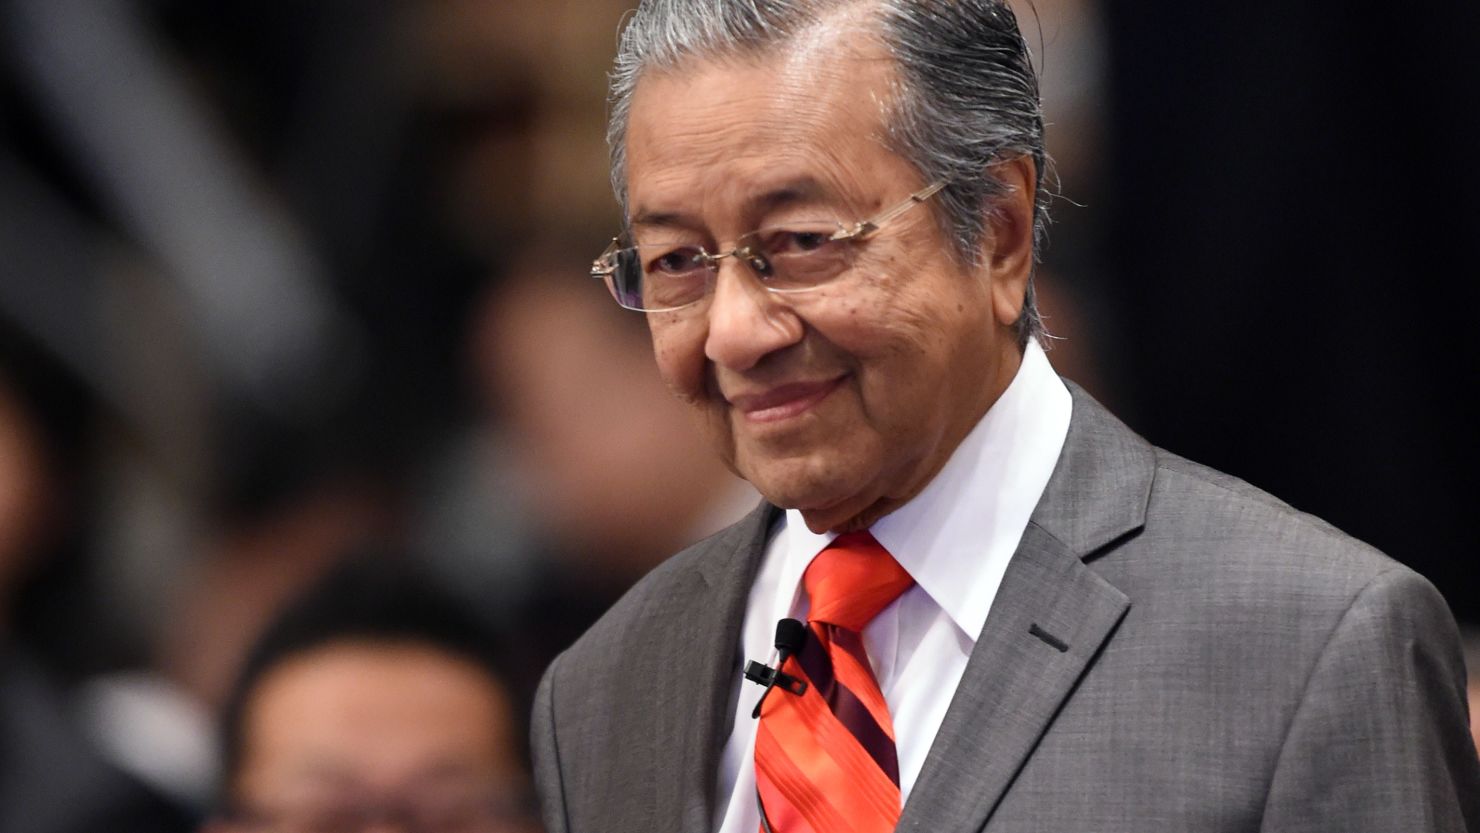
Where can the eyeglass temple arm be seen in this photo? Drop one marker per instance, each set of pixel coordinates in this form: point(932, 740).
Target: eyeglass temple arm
point(871, 225)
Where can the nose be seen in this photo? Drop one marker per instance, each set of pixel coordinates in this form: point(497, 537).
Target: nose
point(746, 322)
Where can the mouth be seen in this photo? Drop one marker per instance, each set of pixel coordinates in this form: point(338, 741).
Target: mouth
point(783, 401)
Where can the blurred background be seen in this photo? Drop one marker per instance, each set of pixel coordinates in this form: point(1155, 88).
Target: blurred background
point(283, 284)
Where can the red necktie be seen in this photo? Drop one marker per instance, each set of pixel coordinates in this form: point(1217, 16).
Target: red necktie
point(825, 760)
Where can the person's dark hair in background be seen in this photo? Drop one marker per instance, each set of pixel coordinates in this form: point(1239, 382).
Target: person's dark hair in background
point(395, 705)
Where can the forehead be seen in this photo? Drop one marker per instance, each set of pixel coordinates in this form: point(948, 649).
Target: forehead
point(372, 712)
point(811, 111)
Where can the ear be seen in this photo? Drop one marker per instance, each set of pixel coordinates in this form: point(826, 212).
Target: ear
point(1009, 255)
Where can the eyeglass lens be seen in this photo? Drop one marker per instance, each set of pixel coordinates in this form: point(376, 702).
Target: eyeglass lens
point(656, 276)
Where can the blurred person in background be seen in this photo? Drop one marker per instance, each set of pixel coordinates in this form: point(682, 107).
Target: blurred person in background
point(563, 367)
point(53, 778)
point(233, 221)
point(374, 702)
point(558, 369)
point(257, 228)
point(154, 718)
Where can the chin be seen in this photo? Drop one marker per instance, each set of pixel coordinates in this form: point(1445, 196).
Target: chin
point(816, 487)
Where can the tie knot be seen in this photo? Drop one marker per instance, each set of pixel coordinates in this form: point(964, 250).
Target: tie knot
point(850, 581)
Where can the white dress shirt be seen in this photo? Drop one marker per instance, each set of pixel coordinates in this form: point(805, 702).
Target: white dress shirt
point(955, 538)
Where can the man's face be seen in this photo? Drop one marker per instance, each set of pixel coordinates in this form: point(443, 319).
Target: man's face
point(843, 401)
point(351, 736)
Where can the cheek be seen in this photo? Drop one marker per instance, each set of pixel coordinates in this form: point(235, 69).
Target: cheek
point(914, 335)
point(679, 351)
point(886, 313)
point(681, 363)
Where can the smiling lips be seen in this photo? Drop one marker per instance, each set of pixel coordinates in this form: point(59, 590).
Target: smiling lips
point(783, 401)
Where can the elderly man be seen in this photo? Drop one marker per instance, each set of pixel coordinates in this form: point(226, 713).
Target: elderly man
point(1018, 614)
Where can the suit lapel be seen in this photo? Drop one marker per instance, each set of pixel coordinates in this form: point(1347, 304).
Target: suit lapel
point(698, 671)
point(1013, 683)
point(1050, 618)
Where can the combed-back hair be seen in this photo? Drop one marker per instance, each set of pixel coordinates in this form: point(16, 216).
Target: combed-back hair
point(966, 93)
point(367, 600)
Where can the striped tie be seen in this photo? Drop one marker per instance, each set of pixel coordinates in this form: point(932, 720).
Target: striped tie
point(825, 760)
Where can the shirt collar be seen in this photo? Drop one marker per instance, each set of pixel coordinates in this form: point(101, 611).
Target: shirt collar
point(956, 537)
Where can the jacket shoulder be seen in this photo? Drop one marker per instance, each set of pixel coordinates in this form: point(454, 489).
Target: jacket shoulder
point(1237, 556)
point(1242, 522)
point(645, 612)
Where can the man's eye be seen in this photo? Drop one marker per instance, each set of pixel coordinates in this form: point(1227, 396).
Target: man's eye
point(786, 242)
point(809, 240)
point(674, 262)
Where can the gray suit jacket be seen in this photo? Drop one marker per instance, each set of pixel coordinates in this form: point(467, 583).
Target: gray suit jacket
point(1171, 649)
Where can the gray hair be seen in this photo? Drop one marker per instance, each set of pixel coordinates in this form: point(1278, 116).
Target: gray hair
point(967, 93)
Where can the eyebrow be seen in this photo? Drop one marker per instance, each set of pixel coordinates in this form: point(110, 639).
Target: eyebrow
point(800, 190)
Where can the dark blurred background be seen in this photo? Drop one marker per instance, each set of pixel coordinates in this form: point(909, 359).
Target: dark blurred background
point(281, 282)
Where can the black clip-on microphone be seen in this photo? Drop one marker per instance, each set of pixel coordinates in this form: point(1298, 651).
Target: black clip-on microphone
point(790, 634)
